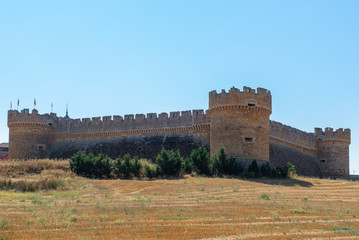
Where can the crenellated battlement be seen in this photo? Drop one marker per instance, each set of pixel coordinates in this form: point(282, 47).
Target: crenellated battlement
point(330, 135)
point(109, 123)
point(292, 135)
point(251, 98)
point(238, 120)
point(25, 117)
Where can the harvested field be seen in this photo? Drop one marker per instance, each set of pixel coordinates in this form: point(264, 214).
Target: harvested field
point(187, 208)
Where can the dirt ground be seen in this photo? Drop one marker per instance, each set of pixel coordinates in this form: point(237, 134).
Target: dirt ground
point(186, 208)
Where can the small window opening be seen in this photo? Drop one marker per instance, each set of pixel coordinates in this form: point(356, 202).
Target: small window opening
point(197, 113)
point(173, 115)
point(323, 161)
point(41, 147)
point(247, 139)
point(251, 105)
point(50, 124)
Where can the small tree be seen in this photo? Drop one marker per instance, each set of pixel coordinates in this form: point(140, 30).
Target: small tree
point(102, 166)
point(150, 170)
point(188, 165)
point(253, 169)
point(169, 162)
point(225, 166)
point(201, 161)
point(219, 162)
point(117, 166)
point(266, 170)
point(136, 167)
point(290, 169)
point(89, 165)
point(76, 163)
point(127, 166)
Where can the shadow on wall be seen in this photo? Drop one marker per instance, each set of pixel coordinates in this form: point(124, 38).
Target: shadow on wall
point(305, 164)
point(142, 146)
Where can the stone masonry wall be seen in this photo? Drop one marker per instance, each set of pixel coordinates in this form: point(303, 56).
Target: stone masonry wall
point(237, 120)
point(293, 138)
point(140, 145)
point(240, 122)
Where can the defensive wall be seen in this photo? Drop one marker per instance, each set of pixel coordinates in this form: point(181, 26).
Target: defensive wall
point(237, 120)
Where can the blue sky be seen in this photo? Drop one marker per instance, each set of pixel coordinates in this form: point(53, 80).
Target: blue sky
point(117, 57)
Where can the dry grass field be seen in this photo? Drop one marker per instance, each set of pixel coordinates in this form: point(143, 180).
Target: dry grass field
point(186, 208)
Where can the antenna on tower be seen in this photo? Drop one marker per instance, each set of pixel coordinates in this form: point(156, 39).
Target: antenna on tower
point(67, 110)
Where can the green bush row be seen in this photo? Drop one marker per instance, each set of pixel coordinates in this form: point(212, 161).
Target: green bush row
point(170, 163)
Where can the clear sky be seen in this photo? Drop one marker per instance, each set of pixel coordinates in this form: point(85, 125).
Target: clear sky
point(128, 57)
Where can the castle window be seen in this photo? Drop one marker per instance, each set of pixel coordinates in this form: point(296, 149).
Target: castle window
point(251, 105)
point(50, 124)
point(323, 161)
point(41, 147)
point(247, 139)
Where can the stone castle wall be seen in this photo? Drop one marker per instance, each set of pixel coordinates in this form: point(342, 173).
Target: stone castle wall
point(240, 122)
point(333, 151)
point(237, 120)
point(294, 138)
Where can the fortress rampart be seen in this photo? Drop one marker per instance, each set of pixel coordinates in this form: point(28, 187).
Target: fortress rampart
point(236, 120)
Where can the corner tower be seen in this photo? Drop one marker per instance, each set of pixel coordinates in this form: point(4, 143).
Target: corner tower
point(30, 135)
point(333, 151)
point(240, 123)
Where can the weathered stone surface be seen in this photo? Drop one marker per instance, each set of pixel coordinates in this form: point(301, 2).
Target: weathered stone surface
point(141, 146)
point(305, 164)
point(236, 120)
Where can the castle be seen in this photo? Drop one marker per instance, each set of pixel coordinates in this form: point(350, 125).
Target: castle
point(237, 120)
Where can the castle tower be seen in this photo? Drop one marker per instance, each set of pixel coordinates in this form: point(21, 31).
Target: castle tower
point(240, 123)
point(333, 151)
point(30, 135)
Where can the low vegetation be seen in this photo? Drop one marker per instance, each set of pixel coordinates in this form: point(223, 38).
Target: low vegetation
point(170, 163)
point(181, 208)
point(19, 168)
point(35, 175)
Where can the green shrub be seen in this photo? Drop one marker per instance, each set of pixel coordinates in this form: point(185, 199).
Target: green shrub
point(150, 170)
point(127, 166)
point(265, 196)
point(102, 166)
point(266, 170)
point(136, 167)
point(201, 161)
point(225, 166)
point(188, 165)
point(117, 166)
point(169, 163)
point(253, 168)
point(77, 163)
point(291, 169)
point(89, 165)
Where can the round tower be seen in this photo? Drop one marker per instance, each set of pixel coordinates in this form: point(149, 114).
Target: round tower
point(240, 123)
point(30, 135)
point(333, 151)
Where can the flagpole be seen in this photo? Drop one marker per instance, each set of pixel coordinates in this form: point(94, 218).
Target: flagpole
point(18, 103)
point(52, 105)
